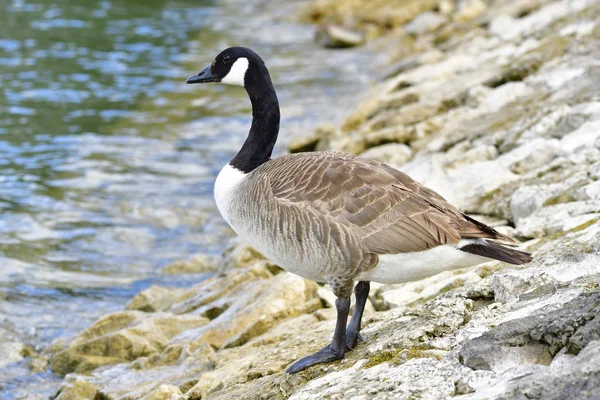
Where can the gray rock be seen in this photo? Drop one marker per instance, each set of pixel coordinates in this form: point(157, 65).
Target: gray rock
point(335, 36)
point(425, 22)
point(11, 352)
point(534, 339)
point(395, 154)
point(155, 298)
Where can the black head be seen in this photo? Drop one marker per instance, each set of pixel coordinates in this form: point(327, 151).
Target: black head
point(234, 66)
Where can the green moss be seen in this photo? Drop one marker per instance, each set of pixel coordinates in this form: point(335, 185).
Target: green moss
point(563, 198)
point(554, 168)
point(591, 286)
point(397, 357)
point(558, 235)
point(381, 357)
point(584, 225)
point(489, 196)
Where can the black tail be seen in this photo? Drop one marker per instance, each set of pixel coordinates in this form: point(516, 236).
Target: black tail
point(497, 252)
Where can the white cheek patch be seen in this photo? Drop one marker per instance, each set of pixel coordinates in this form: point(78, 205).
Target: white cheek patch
point(237, 72)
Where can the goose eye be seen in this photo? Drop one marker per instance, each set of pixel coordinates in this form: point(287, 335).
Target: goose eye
point(226, 59)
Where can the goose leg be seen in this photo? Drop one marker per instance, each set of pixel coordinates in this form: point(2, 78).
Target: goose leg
point(361, 291)
point(333, 351)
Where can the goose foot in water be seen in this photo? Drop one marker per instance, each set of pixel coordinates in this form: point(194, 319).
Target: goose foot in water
point(333, 351)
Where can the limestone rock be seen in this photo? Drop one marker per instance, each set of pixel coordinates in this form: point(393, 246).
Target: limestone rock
point(425, 22)
point(164, 392)
point(76, 389)
point(469, 9)
point(531, 340)
point(258, 306)
point(199, 264)
point(11, 352)
point(120, 337)
point(335, 36)
point(392, 153)
point(155, 298)
point(238, 255)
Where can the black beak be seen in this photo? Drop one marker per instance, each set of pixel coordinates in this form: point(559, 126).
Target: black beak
point(202, 76)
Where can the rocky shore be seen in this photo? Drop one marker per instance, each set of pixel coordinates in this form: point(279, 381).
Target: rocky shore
point(494, 104)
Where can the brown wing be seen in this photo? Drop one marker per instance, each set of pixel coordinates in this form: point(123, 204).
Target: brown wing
point(388, 211)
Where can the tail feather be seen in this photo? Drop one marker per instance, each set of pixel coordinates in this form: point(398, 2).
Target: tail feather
point(497, 251)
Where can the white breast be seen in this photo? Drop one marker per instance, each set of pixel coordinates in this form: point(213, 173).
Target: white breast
point(227, 180)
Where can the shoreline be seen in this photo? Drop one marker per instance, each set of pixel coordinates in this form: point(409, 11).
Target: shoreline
point(510, 98)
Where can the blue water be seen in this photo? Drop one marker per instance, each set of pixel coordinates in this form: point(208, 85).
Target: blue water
point(108, 159)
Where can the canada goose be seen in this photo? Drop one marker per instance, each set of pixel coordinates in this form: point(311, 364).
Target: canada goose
point(335, 217)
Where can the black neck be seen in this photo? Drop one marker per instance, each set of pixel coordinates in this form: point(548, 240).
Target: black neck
point(261, 139)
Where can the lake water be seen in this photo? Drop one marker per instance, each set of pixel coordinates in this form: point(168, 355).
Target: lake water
point(108, 159)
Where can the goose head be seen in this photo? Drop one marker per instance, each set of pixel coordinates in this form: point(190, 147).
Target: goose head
point(233, 66)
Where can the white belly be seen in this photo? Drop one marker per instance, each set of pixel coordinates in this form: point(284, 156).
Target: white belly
point(406, 267)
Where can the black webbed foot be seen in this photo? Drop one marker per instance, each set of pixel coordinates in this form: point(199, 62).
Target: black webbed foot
point(324, 355)
point(352, 339)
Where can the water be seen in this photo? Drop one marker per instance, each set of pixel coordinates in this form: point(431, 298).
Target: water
point(108, 159)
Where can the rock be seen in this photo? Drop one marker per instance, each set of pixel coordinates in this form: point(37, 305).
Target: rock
point(588, 192)
point(164, 392)
point(392, 296)
point(469, 9)
point(531, 340)
point(511, 285)
point(120, 337)
point(335, 36)
point(505, 94)
point(395, 154)
point(257, 307)
point(424, 23)
point(11, 352)
point(76, 389)
point(38, 363)
point(238, 255)
point(199, 264)
point(311, 141)
point(526, 200)
point(584, 137)
point(557, 218)
point(155, 298)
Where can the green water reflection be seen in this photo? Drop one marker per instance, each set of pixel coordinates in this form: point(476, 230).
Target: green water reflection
point(107, 159)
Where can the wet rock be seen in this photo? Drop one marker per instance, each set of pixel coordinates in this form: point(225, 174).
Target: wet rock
point(155, 298)
point(199, 264)
point(425, 22)
point(38, 363)
point(335, 36)
point(392, 153)
point(121, 337)
point(11, 352)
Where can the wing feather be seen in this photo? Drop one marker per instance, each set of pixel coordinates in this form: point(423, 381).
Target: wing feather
point(387, 210)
